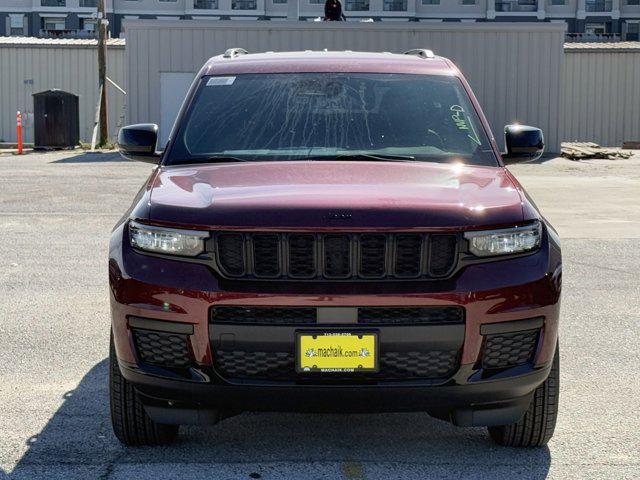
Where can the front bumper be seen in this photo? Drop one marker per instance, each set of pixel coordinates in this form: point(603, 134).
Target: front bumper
point(504, 293)
point(492, 402)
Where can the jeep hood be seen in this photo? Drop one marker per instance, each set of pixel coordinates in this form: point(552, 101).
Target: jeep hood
point(334, 194)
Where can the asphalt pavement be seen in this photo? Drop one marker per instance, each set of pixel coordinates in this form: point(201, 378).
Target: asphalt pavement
point(56, 212)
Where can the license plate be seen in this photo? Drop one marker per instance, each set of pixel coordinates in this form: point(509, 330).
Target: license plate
point(337, 352)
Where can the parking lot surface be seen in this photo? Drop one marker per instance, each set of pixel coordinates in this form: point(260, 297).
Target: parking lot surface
point(56, 212)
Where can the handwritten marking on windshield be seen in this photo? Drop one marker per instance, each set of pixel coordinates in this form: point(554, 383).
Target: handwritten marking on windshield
point(460, 119)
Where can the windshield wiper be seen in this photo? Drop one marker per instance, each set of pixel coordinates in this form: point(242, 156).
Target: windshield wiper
point(374, 157)
point(214, 159)
point(371, 157)
point(226, 159)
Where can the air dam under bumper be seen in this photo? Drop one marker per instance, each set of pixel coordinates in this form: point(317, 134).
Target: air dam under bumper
point(495, 402)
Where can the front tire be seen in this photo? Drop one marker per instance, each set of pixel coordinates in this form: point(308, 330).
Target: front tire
point(536, 427)
point(131, 424)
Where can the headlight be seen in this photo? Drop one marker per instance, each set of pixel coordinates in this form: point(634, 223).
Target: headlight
point(167, 240)
point(505, 241)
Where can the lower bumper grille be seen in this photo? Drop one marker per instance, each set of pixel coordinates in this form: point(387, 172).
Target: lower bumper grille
point(246, 365)
point(259, 343)
point(264, 315)
point(268, 365)
point(249, 315)
point(162, 348)
point(505, 350)
point(434, 364)
point(410, 315)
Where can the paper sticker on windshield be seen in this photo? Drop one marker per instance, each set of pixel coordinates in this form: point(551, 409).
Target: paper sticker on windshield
point(220, 81)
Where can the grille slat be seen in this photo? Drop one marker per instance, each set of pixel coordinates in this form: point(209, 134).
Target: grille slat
point(302, 256)
point(408, 256)
point(442, 254)
point(373, 255)
point(266, 255)
point(335, 256)
point(231, 253)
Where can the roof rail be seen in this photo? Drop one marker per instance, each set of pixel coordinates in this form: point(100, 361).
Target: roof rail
point(420, 52)
point(234, 52)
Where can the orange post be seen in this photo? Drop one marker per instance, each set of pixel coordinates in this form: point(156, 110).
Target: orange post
point(19, 130)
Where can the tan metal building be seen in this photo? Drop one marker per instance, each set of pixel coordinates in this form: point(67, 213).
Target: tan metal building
point(514, 69)
point(520, 72)
point(601, 93)
point(32, 65)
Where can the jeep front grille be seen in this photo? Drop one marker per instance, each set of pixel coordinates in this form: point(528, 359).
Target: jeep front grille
point(335, 256)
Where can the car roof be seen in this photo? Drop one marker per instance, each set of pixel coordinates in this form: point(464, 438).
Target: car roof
point(235, 61)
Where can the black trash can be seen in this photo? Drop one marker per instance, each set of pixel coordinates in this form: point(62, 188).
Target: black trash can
point(56, 119)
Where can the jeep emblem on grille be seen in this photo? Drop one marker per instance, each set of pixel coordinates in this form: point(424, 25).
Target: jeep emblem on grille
point(339, 215)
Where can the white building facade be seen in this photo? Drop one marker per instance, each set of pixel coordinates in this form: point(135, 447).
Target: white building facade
point(587, 20)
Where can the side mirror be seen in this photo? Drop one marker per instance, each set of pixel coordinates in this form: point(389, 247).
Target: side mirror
point(138, 142)
point(524, 143)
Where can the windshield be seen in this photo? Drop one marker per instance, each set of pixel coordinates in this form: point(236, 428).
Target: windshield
point(318, 116)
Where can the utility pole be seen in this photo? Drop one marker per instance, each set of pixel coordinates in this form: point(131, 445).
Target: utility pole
point(102, 73)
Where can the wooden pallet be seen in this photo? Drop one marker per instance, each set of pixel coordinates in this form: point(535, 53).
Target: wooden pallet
point(584, 150)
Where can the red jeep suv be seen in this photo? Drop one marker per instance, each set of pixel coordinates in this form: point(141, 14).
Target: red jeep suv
point(333, 231)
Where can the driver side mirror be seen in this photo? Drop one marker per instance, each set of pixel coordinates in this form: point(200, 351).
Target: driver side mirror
point(524, 143)
point(138, 142)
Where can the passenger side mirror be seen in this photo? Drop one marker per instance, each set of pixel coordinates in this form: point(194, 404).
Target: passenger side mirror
point(138, 142)
point(524, 143)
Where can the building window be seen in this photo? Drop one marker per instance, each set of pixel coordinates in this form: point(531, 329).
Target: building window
point(89, 24)
point(517, 6)
point(205, 4)
point(633, 2)
point(558, 2)
point(279, 1)
point(54, 24)
point(243, 4)
point(168, 1)
point(468, 2)
point(16, 25)
point(53, 3)
point(633, 32)
point(598, 5)
point(395, 5)
point(430, 2)
point(595, 28)
point(89, 3)
point(357, 5)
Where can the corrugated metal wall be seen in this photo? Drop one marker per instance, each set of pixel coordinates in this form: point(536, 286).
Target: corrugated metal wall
point(518, 71)
point(514, 69)
point(601, 95)
point(26, 69)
